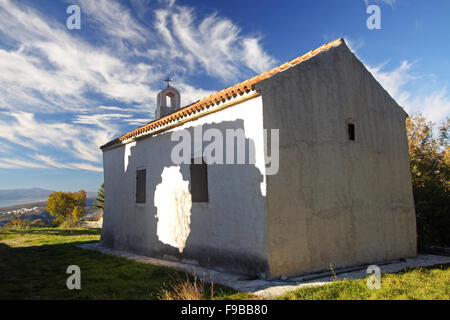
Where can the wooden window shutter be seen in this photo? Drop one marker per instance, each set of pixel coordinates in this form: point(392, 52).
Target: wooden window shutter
point(199, 182)
point(141, 185)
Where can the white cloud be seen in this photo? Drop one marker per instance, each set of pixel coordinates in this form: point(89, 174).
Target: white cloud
point(353, 45)
point(394, 81)
point(255, 57)
point(136, 122)
point(53, 71)
point(44, 162)
point(388, 2)
point(435, 104)
point(99, 119)
point(13, 163)
point(54, 83)
point(115, 20)
point(50, 162)
point(113, 108)
point(213, 44)
point(80, 142)
point(86, 166)
point(400, 82)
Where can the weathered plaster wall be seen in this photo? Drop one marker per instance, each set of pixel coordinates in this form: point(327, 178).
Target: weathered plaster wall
point(228, 232)
point(333, 201)
point(336, 201)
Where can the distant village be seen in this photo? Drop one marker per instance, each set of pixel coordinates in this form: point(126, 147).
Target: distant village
point(34, 211)
point(21, 211)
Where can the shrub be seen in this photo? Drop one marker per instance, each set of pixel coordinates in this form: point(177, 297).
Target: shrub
point(41, 223)
point(18, 223)
point(65, 205)
point(430, 173)
point(68, 223)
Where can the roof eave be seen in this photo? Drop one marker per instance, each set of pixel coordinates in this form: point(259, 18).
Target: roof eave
point(217, 98)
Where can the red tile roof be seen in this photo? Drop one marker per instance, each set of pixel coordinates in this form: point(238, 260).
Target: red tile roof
point(221, 96)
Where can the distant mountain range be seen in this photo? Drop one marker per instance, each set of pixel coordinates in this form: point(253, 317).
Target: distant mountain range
point(17, 194)
point(21, 196)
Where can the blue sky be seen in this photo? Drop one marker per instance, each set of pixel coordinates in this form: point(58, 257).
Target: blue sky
point(63, 93)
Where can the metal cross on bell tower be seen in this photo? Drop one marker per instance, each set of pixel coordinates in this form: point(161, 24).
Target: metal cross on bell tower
point(168, 80)
point(168, 100)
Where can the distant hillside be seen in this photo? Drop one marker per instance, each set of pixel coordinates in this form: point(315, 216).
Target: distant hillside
point(18, 194)
point(13, 197)
point(91, 195)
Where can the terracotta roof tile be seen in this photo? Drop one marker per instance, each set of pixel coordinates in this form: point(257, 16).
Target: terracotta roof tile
point(222, 96)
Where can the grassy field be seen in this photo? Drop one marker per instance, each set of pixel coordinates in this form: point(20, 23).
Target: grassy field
point(34, 261)
point(33, 265)
point(418, 284)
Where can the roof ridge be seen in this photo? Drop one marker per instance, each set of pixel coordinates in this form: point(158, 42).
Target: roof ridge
point(225, 94)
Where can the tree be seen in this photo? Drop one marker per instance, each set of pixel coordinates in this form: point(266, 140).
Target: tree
point(99, 204)
point(430, 174)
point(67, 205)
point(444, 140)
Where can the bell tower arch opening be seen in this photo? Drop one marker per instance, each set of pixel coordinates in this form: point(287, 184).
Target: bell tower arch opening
point(168, 100)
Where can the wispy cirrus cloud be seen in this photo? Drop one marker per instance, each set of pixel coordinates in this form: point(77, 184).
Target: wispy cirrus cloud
point(212, 44)
point(388, 2)
point(50, 162)
point(64, 92)
point(117, 22)
point(434, 104)
point(401, 83)
point(53, 71)
point(15, 163)
point(23, 129)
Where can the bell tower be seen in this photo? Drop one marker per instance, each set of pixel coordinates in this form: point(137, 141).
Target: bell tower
point(168, 101)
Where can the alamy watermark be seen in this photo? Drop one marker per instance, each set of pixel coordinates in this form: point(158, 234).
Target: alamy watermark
point(73, 281)
point(229, 147)
point(374, 20)
point(74, 20)
point(374, 280)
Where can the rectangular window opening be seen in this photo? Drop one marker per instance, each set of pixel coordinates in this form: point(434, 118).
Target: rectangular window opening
point(141, 185)
point(199, 182)
point(351, 132)
point(170, 99)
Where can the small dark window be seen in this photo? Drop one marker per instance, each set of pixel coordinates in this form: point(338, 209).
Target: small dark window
point(141, 185)
point(199, 182)
point(351, 131)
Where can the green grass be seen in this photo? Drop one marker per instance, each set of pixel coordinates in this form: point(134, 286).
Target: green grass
point(417, 284)
point(33, 265)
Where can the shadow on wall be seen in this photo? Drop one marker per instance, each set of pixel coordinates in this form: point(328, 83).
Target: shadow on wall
point(227, 232)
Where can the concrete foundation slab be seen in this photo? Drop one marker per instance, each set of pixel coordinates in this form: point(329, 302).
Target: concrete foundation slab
point(272, 289)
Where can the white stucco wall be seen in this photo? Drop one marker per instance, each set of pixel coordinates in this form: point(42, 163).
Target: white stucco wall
point(336, 201)
point(227, 232)
point(333, 201)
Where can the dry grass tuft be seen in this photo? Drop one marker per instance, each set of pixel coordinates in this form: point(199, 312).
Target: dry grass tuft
point(186, 289)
